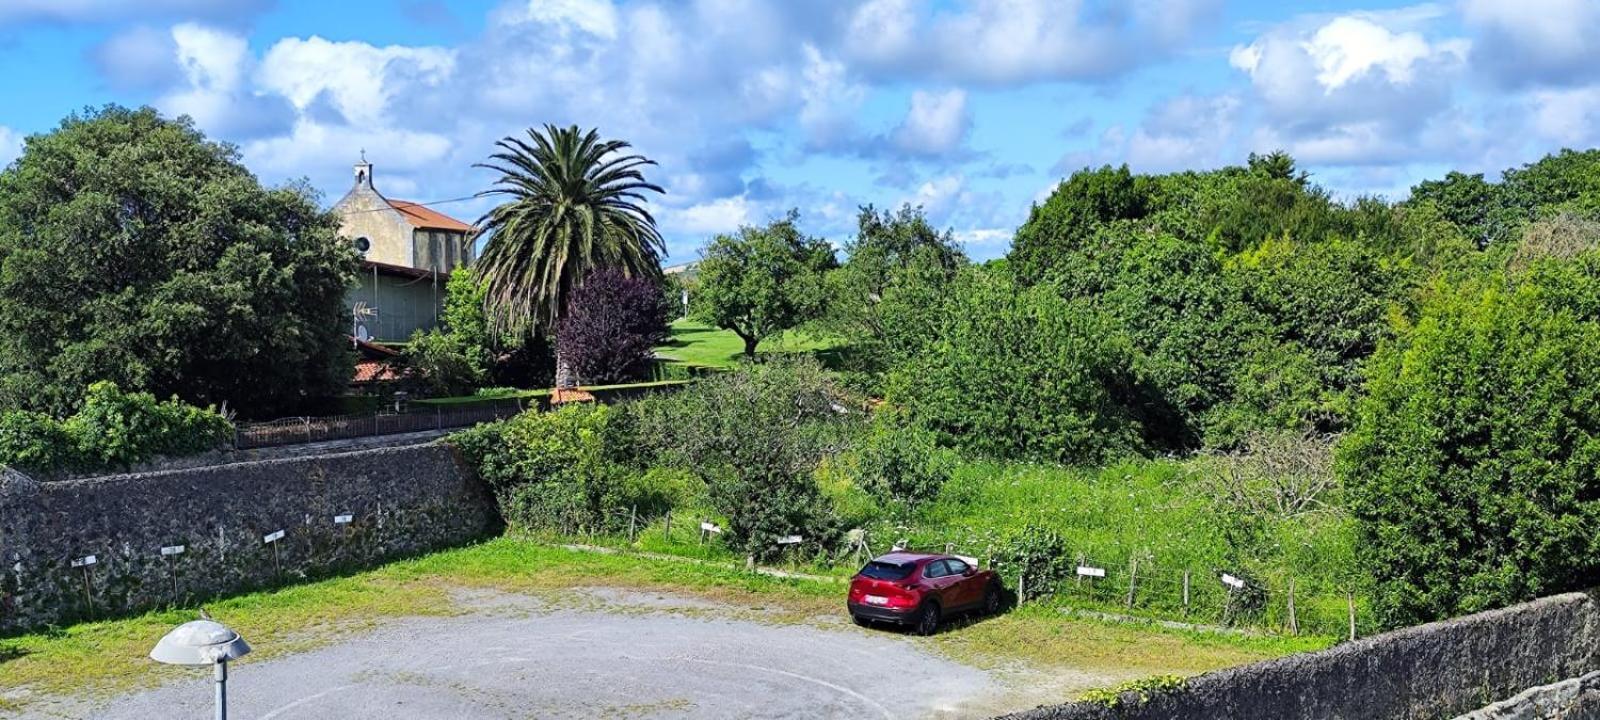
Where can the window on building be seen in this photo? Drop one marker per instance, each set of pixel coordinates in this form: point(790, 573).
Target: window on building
point(363, 245)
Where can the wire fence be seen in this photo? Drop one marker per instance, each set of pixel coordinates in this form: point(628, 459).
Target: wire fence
point(1142, 588)
point(415, 418)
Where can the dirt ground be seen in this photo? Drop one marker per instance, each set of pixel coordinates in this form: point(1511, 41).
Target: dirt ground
point(606, 654)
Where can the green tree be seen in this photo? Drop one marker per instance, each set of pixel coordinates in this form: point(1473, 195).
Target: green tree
point(134, 250)
point(886, 297)
point(1023, 373)
point(1072, 215)
point(573, 204)
point(762, 280)
point(1474, 465)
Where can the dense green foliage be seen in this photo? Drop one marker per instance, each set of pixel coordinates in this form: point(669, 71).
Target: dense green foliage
point(463, 353)
point(1023, 373)
point(762, 280)
point(113, 429)
point(756, 438)
point(134, 250)
point(1474, 464)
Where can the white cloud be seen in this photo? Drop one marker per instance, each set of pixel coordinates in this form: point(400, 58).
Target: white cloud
point(596, 17)
point(1184, 132)
point(214, 65)
point(936, 124)
point(829, 100)
point(139, 57)
point(1568, 116)
point(312, 148)
point(1006, 42)
point(1351, 88)
point(10, 145)
point(1536, 42)
point(722, 215)
point(357, 78)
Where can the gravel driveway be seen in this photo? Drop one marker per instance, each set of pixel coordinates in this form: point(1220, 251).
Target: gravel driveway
point(623, 655)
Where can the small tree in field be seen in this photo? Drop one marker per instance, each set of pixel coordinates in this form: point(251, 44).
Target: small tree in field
point(763, 280)
point(611, 326)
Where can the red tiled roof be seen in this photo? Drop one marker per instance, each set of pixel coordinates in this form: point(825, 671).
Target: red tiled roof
point(423, 216)
point(374, 371)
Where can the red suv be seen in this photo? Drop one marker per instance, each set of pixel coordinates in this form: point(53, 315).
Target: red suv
point(920, 589)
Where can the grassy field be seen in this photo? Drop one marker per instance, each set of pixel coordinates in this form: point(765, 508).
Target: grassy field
point(109, 656)
point(694, 343)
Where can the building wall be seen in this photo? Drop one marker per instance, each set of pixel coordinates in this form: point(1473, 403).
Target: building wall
point(441, 249)
point(1438, 670)
point(400, 501)
point(404, 304)
point(364, 213)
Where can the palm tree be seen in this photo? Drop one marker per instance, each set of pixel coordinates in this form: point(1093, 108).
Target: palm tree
point(574, 204)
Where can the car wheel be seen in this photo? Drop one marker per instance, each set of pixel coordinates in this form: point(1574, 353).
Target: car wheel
point(863, 622)
point(928, 619)
point(991, 599)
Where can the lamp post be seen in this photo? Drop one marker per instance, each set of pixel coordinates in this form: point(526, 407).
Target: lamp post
point(204, 642)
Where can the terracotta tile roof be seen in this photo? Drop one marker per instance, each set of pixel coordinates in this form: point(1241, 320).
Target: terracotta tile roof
point(375, 371)
point(423, 216)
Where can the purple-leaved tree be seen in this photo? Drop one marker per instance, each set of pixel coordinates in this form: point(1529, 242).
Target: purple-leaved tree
point(611, 326)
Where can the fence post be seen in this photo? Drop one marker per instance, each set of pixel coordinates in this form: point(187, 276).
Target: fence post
point(1350, 601)
point(308, 429)
point(438, 418)
point(666, 530)
point(633, 520)
point(1022, 586)
point(1294, 623)
point(1133, 579)
point(1186, 593)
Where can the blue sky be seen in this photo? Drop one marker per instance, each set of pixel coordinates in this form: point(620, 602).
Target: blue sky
point(973, 109)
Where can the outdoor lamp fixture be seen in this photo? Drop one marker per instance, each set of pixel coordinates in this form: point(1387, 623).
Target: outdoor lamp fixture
point(204, 642)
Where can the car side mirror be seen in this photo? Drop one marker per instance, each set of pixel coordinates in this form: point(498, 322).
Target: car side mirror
point(969, 572)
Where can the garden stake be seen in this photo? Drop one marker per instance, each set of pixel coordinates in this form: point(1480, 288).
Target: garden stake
point(1133, 579)
point(666, 529)
point(1350, 601)
point(633, 520)
point(1294, 623)
point(88, 596)
point(1186, 593)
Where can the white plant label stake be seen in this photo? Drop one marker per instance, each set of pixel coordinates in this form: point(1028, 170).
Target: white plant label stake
point(1094, 572)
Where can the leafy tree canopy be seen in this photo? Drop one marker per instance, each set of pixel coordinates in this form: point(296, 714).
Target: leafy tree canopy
point(134, 250)
point(762, 280)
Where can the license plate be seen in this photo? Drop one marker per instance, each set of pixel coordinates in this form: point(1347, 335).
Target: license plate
point(877, 600)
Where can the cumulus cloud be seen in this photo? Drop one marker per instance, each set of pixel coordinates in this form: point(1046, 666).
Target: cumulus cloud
point(140, 57)
point(1567, 116)
point(1349, 89)
point(1007, 42)
point(936, 124)
point(214, 65)
point(357, 79)
point(1535, 42)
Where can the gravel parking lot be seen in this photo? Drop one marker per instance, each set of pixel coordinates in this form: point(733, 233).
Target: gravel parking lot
point(615, 655)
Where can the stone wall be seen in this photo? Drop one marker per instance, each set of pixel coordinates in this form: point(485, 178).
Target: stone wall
point(399, 501)
point(1571, 699)
point(1437, 670)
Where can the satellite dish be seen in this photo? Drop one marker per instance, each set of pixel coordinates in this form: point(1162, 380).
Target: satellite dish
point(362, 334)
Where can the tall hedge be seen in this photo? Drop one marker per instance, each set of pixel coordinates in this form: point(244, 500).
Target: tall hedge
point(1474, 464)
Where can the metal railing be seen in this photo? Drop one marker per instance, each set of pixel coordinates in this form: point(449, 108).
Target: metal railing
point(416, 418)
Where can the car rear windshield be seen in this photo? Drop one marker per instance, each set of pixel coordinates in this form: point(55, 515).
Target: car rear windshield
point(887, 571)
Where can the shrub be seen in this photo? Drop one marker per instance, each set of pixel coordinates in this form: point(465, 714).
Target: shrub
point(1038, 555)
point(440, 364)
point(552, 470)
point(900, 462)
point(115, 428)
point(1474, 466)
point(612, 325)
point(35, 441)
point(756, 437)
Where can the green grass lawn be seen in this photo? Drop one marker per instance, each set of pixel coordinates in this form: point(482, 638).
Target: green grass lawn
point(694, 343)
point(110, 656)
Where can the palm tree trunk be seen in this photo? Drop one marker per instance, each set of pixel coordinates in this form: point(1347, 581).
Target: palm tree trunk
point(566, 379)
